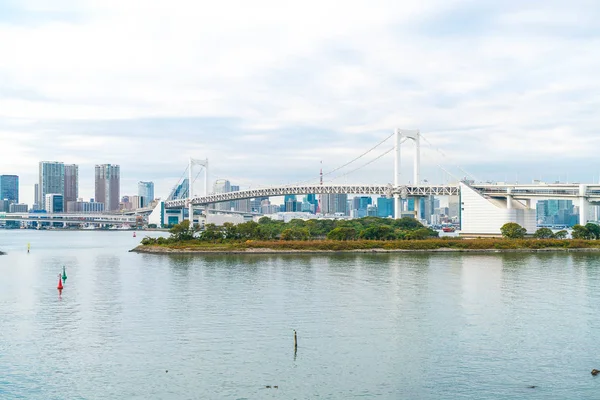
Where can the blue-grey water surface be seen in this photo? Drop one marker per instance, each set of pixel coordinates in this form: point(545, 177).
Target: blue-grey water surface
point(399, 326)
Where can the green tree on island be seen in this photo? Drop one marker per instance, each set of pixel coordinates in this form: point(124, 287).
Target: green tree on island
point(512, 230)
point(593, 230)
point(561, 234)
point(183, 231)
point(342, 233)
point(580, 232)
point(543, 233)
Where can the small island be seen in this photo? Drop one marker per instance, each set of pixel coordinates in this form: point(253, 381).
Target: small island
point(369, 234)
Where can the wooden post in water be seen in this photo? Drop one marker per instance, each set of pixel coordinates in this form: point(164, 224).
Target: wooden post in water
point(295, 342)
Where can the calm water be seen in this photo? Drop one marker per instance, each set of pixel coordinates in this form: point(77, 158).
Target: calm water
point(385, 326)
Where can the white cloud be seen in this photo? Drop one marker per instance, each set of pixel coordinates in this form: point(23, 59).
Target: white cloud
point(279, 85)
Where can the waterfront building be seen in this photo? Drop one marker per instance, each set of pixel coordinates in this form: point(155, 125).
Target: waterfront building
point(108, 185)
point(18, 208)
point(51, 180)
point(9, 188)
point(146, 192)
point(81, 206)
point(71, 183)
point(54, 203)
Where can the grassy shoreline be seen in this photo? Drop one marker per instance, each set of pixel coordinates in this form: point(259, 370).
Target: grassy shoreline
point(372, 246)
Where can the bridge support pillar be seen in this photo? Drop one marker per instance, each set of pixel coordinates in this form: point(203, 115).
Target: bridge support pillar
point(509, 199)
point(397, 206)
point(417, 208)
point(583, 205)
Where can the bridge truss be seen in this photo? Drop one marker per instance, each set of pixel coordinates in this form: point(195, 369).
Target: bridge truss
point(382, 190)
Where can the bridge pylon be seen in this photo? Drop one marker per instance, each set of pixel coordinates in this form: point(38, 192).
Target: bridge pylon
point(202, 163)
point(401, 135)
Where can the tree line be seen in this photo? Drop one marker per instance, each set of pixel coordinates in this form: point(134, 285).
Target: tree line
point(589, 231)
point(368, 228)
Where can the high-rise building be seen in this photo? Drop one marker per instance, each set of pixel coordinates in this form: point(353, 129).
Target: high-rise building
point(71, 183)
point(255, 204)
point(341, 203)
point(371, 210)
point(385, 207)
point(453, 207)
point(108, 186)
point(312, 199)
point(222, 186)
point(54, 203)
point(291, 204)
point(146, 192)
point(360, 204)
point(9, 188)
point(52, 180)
point(36, 196)
point(427, 208)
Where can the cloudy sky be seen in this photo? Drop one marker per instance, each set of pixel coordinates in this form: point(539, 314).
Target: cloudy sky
point(266, 89)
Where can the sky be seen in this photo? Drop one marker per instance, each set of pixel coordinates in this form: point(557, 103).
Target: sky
point(266, 90)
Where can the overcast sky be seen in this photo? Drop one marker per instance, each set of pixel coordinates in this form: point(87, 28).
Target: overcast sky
point(266, 89)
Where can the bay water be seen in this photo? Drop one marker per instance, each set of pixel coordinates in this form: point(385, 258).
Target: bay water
point(386, 326)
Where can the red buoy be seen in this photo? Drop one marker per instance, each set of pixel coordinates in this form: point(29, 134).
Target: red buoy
point(60, 284)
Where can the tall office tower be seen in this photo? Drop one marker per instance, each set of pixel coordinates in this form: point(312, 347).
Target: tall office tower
point(222, 186)
point(290, 204)
point(146, 192)
point(327, 204)
point(454, 207)
point(255, 204)
point(36, 195)
point(312, 199)
point(9, 188)
point(428, 208)
point(108, 186)
point(341, 203)
point(385, 207)
point(71, 183)
point(52, 180)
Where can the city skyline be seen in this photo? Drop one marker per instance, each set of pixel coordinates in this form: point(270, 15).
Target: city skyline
point(506, 91)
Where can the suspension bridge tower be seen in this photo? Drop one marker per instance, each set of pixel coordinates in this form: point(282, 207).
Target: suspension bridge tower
point(402, 135)
point(201, 163)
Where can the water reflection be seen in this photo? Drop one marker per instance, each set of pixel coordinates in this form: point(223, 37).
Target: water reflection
point(373, 325)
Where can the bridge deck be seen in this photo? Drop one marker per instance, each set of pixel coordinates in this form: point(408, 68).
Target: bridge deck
point(592, 191)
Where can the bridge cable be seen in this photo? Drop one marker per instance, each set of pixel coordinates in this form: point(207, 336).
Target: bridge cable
point(348, 163)
point(178, 183)
point(444, 155)
point(364, 165)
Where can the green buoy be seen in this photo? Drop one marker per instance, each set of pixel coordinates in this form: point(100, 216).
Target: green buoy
point(64, 275)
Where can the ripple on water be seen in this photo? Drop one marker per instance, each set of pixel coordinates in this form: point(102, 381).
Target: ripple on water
point(386, 326)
